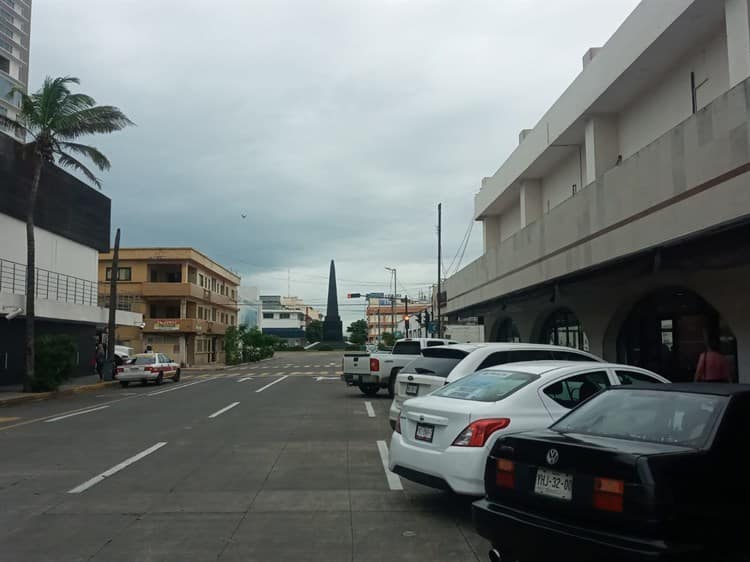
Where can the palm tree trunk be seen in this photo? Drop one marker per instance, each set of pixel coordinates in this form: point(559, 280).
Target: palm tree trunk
point(31, 275)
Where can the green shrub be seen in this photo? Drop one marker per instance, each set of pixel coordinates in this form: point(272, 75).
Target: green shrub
point(55, 359)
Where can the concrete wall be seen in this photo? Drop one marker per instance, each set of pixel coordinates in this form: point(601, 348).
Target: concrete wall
point(667, 103)
point(53, 252)
point(558, 185)
point(510, 223)
point(690, 179)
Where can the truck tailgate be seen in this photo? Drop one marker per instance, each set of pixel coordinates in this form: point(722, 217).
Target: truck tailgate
point(356, 364)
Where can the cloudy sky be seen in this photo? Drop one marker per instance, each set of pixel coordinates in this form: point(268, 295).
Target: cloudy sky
point(335, 126)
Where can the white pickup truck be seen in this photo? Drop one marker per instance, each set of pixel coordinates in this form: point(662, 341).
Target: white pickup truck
point(372, 371)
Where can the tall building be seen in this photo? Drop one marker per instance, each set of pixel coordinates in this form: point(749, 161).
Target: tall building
point(384, 316)
point(67, 246)
point(15, 28)
point(621, 221)
point(187, 300)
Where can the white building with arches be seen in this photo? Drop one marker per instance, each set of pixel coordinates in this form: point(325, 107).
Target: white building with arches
point(621, 222)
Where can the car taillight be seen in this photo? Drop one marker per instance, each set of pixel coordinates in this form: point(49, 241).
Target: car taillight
point(608, 494)
point(119, 370)
point(374, 364)
point(398, 424)
point(505, 475)
point(477, 433)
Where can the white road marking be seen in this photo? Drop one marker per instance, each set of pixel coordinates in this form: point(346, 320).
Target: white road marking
point(245, 379)
point(179, 387)
point(394, 482)
point(225, 409)
point(271, 383)
point(368, 407)
point(58, 418)
point(318, 379)
point(115, 469)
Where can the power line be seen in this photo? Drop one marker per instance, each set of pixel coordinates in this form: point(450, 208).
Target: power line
point(466, 245)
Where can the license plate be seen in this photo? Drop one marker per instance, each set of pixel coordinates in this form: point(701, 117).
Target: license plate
point(554, 484)
point(134, 369)
point(412, 389)
point(424, 432)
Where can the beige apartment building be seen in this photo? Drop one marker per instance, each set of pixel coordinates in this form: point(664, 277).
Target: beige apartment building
point(187, 300)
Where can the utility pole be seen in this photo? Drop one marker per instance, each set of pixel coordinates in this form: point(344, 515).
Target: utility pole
point(440, 268)
point(111, 326)
point(393, 301)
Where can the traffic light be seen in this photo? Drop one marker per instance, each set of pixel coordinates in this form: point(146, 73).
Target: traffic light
point(353, 295)
point(426, 316)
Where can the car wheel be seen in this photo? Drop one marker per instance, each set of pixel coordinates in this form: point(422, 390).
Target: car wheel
point(369, 389)
point(124, 384)
point(176, 377)
point(159, 379)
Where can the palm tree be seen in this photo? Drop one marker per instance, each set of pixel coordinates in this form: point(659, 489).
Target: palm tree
point(53, 118)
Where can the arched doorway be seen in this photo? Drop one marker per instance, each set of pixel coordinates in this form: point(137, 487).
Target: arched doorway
point(665, 333)
point(506, 331)
point(562, 327)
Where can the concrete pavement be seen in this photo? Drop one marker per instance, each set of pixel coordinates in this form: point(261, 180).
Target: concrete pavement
point(287, 468)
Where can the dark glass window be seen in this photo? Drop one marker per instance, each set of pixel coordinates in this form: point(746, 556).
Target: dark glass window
point(486, 386)
point(563, 328)
point(634, 377)
point(574, 390)
point(123, 274)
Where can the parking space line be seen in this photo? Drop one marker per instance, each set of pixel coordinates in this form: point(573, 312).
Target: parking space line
point(243, 379)
point(178, 387)
point(225, 409)
point(58, 418)
point(394, 482)
point(271, 383)
point(368, 407)
point(115, 469)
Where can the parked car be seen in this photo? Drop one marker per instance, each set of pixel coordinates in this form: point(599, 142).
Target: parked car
point(443, 440)
point(372, 371)
point(146, 367)
point(441, 365)
point(636, 473)
point(123, 353)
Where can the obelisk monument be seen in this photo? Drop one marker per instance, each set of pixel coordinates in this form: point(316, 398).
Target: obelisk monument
point(332, 331)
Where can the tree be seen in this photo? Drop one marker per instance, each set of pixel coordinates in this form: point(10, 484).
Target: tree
point(53, 118)
point(358, 331)
point(388, 339)
point(314, 331)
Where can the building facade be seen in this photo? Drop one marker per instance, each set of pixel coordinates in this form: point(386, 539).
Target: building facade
point(15, 29)
point(620, 222)
point(187, 300)
point(384, 316)
point(71, 228)
point(285, 323)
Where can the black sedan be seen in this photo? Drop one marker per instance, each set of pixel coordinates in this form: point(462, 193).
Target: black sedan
point(635, 473)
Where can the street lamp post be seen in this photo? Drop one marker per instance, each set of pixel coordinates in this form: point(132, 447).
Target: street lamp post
point(393, 301)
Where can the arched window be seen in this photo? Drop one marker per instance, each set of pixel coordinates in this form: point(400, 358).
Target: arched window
point(507, 331)
point(563, 328)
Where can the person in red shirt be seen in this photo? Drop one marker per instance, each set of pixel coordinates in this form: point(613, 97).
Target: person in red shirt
point(712, 365)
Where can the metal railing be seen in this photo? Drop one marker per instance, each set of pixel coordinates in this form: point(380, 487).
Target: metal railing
point(50, 285)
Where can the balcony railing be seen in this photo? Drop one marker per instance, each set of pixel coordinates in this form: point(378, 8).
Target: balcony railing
point(50, 285)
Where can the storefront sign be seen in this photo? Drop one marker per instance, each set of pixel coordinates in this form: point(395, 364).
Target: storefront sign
point(167, 325)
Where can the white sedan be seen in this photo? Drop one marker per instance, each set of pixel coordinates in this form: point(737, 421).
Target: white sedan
point(146, 367)
point(442, 440)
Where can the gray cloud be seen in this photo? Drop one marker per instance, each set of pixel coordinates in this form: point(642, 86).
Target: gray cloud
point(336, 126)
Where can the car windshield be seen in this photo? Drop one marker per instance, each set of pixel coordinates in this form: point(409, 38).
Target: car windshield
point(678, 418)
point(486, 386)
point(407, 348)
point(143, 360)
point(438, 366)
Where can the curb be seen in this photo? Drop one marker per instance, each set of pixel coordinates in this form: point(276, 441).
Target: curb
point(38, 396)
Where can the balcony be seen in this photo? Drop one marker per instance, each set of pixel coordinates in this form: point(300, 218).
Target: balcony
point(692, 179)
point(50, 285)
point(183, 325)
point(185, 290)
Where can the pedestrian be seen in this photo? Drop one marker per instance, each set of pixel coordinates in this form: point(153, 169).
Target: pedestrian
point(100, 360)
point(148, 349)
point(712, 365)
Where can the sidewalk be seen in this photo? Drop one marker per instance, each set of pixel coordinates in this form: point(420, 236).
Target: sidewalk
point(13, 394)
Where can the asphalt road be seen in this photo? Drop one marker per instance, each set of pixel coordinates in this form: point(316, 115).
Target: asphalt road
point(278, 460)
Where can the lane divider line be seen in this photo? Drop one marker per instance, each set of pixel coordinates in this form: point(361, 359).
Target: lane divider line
point(58, 418)
point(243, 379)
point(179, 387)
point(115, 469)
point(370, 411)
point(271, 383)
point(225, 409)
point(394, 482)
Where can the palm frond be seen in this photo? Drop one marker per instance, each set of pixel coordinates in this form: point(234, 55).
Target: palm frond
point(74, 103)
point(51, 95)
point(100, 119)
point(67, 161)
point(101, 161)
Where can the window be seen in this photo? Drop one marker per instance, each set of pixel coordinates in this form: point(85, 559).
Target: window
point(143, 360)
point(434, 343)
point(515, 356)
point(123, 274)
point(563, 328)
point(6, 15)
point(407, 348)
point(635, 377)
point(573, 390)
point(5, 65)
point(213, 315)
point(268, 315)
point(5, 29)
point(571, 356)
point(201, 280)
point(284, 316)
point(233, 295)
point(6, 45)
point(435, 366)
point(678, 418)
point(154, 276)
point(213, 285)
point(486, 386)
